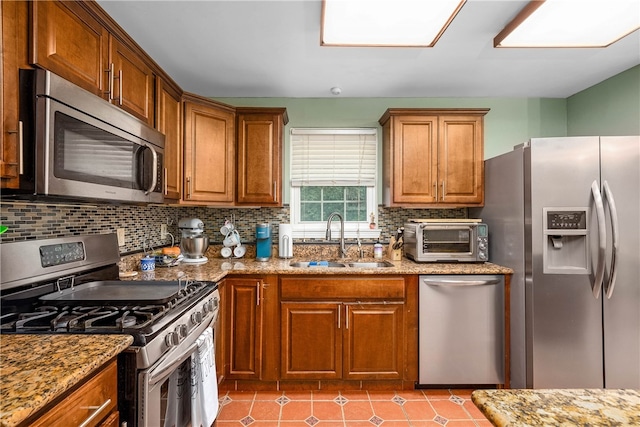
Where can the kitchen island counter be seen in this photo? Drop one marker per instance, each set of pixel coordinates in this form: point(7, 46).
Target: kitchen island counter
point(217, 268)
point(35, 369)
point(559, 407)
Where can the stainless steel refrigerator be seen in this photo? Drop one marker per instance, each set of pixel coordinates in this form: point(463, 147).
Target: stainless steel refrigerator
point(564, 213)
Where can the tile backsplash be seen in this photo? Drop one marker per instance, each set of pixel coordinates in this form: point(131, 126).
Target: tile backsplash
point(38, 220)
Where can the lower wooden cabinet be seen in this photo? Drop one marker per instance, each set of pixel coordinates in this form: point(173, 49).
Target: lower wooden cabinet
point(319, 331)
point(346, 328)
point(95, 403)
point(373, 340)
point(343, 340)
point(311, 340)
point(244, 327)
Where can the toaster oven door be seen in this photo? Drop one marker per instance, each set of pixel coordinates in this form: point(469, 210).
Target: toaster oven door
point(449, 243)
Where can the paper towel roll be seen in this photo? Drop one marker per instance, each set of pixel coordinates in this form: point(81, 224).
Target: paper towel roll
point(285, 241)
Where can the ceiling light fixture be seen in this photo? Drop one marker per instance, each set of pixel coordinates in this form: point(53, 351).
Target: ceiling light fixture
point(571, 23)
point(397, 23)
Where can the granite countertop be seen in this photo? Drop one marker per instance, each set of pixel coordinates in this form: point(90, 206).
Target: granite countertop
point(35, 369)
point(217, 268)
point(561, 407)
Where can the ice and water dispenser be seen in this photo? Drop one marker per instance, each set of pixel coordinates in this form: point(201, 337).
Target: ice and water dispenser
point(566, 241)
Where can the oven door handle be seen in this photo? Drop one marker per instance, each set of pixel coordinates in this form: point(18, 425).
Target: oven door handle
point(169, 364)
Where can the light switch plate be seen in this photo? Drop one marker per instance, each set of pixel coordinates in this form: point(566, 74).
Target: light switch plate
point(120, 233)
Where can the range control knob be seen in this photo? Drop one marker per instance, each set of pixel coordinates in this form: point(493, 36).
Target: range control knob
point(208, 306)
point(181, 330)
point(196, 317)
point(171, 339)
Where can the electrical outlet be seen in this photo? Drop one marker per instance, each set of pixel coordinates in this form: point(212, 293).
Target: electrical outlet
point(120, 233)
point(163, 231)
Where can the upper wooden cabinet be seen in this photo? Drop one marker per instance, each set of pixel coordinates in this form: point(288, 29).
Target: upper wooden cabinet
point(259, 155)
point(15, 34)
point(132, 81)
point(433, 157)
point(169, 122)
point(209, 151)
point(69, 40)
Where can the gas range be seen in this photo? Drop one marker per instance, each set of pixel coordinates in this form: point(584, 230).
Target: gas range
point(70, 285)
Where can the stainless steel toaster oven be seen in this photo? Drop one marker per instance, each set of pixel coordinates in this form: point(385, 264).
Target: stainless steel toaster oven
point(437, 240)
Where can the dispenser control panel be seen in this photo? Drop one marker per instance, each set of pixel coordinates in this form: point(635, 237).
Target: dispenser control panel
point(566, 220)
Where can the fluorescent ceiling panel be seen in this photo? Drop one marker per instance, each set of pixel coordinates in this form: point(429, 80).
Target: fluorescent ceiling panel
point(571, 23)
point(386, 22)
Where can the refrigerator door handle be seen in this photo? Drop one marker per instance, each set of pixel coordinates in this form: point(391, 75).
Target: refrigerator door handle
point(596, 287)
point(611, 283)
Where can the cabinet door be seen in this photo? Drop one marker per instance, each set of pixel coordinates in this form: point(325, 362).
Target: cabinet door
point(414, 159)
point(14, 45)
point(311, 337)
point(245, 328)
point(70, 43)
point(97, 397)
point(373, 341)
point(133, 82)
point(259, 177)
point(461, 160)
point(169, 122)
point(209, 155)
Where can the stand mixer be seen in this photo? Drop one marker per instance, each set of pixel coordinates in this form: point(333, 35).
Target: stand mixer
point(194, 242)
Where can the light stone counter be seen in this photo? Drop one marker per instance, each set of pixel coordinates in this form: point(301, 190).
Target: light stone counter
point(217, 268)
point(555, 408)
point(35, 369)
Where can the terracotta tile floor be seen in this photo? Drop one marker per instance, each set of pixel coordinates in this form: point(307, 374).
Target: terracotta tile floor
point(412, 408)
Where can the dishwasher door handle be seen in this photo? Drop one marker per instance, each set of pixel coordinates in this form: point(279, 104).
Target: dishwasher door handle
point(453, 282)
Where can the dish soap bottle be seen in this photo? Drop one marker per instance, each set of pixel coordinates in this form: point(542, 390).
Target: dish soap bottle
point(378, 250)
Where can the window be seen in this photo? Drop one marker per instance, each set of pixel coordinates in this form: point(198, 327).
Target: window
point(333, 170)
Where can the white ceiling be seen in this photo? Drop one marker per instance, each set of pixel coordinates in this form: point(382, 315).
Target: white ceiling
point(271, 48)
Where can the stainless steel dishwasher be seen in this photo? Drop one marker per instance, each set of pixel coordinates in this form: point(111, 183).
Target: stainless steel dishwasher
point(461, 329)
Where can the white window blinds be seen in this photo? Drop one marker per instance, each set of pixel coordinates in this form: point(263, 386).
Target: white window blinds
point(333, 157)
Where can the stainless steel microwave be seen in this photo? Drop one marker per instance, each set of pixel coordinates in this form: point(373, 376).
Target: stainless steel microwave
point(76, 145)
point(428, 240)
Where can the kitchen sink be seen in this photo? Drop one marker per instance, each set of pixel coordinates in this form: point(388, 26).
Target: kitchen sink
point(353, 264)
point(312, 264)
point(370, 264)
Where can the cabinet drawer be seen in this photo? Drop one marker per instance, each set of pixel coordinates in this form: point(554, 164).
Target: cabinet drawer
point(343, 287)
point(98, 394)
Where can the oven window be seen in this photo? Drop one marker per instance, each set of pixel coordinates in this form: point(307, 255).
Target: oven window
point(83, 152)
point(451, 240)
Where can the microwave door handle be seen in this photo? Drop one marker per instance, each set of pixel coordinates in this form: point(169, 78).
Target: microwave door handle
point(154, 170)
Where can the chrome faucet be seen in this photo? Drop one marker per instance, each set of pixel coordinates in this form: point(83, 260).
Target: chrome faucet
point(343, 250)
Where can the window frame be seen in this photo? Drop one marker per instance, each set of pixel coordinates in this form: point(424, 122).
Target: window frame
point(353, 229)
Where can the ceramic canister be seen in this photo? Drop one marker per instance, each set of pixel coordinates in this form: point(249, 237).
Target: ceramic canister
point(148, 263)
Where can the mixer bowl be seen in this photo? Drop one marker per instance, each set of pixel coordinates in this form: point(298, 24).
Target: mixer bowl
point(194, 246)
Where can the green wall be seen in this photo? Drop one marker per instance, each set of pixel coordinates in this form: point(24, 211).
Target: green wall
point(509, 122)
point(611, 107)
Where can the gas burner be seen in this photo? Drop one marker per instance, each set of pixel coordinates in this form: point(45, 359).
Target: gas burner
point(126, 321)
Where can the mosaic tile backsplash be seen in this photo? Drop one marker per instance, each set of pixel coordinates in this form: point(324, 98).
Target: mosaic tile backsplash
point(31, 220)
